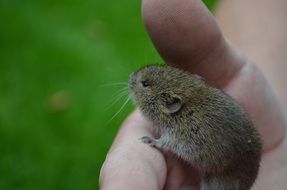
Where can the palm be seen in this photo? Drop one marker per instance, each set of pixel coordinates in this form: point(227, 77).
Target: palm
point(186, 35)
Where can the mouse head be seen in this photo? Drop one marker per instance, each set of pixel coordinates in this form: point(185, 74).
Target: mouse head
point(162, 91)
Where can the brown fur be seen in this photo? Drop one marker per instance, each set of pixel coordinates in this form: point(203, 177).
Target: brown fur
point(199, 123)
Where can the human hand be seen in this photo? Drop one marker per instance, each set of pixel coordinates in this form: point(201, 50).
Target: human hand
point(186, 35)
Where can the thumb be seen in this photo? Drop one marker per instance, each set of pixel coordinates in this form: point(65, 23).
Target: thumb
point(187, 36)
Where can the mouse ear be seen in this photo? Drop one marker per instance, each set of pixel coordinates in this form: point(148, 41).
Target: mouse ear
point(172, 104)
point(199, 77)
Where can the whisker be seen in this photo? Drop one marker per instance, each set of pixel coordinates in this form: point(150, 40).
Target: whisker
point(114, 84)
point(117, 98)
point(122, 89)
point(119, 92)
point(121, 108)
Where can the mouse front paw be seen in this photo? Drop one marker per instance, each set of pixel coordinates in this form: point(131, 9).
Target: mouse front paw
point(148, 140)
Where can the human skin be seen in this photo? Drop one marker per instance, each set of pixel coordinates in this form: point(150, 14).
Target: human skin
point(187, 36)
point(258, 27)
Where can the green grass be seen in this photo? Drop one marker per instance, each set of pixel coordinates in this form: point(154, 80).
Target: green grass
point(53, 57)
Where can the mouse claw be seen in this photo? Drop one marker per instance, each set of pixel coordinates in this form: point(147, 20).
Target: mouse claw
point(148, 140)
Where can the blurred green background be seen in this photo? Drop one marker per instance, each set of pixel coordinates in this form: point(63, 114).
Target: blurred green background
point(54, 57)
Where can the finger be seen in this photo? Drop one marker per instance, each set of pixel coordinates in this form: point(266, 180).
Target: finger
point(131, 164)
point(187, 36)
point(272, 174)
point(268, 48)
point(181, 175)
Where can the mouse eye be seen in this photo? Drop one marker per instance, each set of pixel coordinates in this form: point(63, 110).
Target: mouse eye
point(145, 83)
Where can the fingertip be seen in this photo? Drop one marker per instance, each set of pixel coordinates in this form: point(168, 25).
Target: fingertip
point(187, 36)
point(182, 31)
point(134, 127)
point(130, 164)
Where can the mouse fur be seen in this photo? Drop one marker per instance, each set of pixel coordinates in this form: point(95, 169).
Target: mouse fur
point(200, 124)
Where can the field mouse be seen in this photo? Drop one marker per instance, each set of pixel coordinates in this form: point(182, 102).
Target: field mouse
point(200, 124)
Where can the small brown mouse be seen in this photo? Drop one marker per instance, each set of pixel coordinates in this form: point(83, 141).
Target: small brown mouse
point(200, 124)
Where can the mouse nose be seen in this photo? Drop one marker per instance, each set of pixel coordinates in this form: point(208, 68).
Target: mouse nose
point(133, 80)
point(132, 74)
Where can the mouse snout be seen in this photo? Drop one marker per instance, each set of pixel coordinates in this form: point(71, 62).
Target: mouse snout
point(132, 80)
